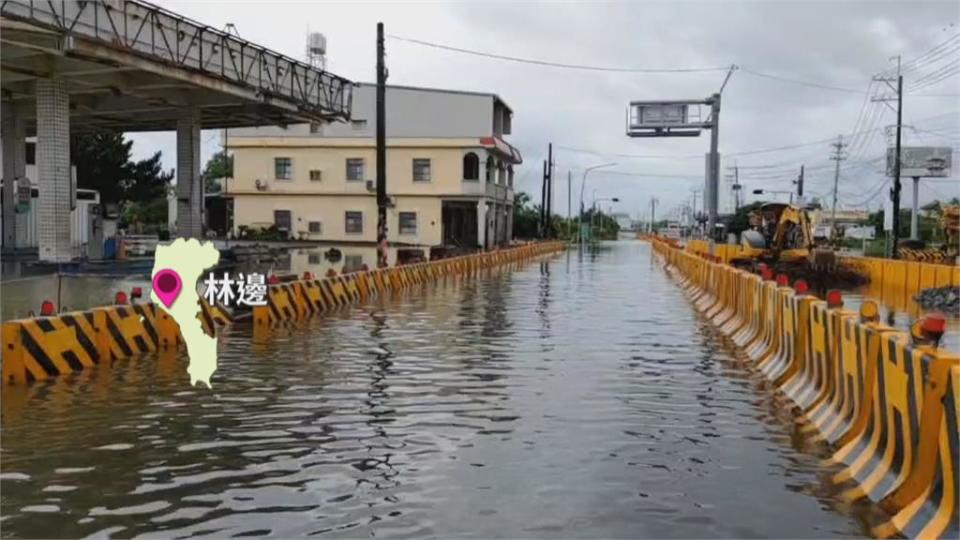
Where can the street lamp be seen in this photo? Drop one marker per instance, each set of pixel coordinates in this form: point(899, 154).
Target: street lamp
point(774, 192)
point(583, 183)
point(593, 214)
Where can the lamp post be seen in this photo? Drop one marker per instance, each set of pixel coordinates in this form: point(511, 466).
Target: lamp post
point(583, 183)
point(774, 192)
point(594, 207)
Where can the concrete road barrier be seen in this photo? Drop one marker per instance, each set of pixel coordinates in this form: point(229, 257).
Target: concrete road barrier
point(885, 404)
point(302, 299)
point(43, 347)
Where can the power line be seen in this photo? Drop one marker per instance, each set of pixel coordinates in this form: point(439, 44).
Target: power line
point(548, 63)
point(932, 54)
point(740, 153)
point(801, 82)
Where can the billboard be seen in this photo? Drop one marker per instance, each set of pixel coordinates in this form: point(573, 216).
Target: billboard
point(921, 161)
point(648, 115)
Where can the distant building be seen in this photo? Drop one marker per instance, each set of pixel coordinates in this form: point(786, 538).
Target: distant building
point(449, 172)
point(623, 220)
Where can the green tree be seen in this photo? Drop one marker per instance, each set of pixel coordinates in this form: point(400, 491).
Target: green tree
point(526, 218)
point(103, 163)
point(218, 167)
point(741, 219)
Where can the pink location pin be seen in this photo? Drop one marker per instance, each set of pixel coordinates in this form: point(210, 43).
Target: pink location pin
point(167, 285)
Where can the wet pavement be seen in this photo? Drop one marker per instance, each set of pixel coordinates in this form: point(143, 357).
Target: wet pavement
point(578, 396)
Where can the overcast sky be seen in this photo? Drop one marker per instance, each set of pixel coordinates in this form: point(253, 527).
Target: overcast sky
point(829, 43)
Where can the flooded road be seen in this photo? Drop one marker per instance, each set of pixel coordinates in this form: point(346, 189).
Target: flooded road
point(578, 396)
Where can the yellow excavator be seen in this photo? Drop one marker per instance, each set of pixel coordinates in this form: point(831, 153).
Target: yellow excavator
point(782, 233)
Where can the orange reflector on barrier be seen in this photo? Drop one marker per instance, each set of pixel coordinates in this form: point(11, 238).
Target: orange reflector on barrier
point(869, 312)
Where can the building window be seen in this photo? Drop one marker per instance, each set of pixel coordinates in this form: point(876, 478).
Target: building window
point(471, 166)
point(490, 166)
point(316, 127)
point(315, 227)
point(283, 219)
point(353, 222)
point(408, 223)
point(313, 258)
point(282, 168)
point(352, 263)
point(358, 125)
point(355, 169)
point(510, 175)
point(421, 170)
point(316, 175)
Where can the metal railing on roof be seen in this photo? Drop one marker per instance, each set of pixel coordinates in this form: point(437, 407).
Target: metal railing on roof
point(159, 35)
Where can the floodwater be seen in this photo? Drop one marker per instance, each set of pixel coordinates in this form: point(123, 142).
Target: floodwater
point(577, 396)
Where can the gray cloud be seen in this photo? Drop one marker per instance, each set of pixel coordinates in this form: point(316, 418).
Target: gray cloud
point(833, 43)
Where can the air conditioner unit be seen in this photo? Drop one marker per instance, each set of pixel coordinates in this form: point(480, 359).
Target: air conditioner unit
point(261, 185)
point(371, 185)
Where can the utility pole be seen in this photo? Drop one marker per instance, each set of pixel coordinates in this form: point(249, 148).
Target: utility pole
point(837, 157)
point(914, 215)
point(896, 167)
point(381, 152)
point(736, 188)
point(895, 191)
point(543, 202)
point(714, 183)
point(549, 221)
point(569, 195)
point(800, 183)
point(653, 215)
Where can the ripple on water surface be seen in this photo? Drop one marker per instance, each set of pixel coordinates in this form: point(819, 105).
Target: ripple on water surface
point(579, 396)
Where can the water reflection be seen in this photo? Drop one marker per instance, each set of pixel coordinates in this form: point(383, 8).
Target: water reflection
point(574, 397)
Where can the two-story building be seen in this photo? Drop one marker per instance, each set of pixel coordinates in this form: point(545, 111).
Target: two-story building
point(449, 172)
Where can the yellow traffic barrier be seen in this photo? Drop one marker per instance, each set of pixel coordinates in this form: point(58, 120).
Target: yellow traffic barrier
point(925, 505)
point(888, 407)
point(43, 347)
point(301, 299)
point(776, 364)
point(843, 377)
point(748, 334)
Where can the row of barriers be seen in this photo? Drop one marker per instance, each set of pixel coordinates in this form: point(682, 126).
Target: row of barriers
point(305, 298)
point(886, 405)
point(39, 348)
point(897, 282)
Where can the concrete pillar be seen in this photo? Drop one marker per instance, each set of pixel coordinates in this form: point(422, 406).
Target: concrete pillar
point(482, 223)
point(13, 135)
point(53, 170)
point(509, 233)
point(189, 185)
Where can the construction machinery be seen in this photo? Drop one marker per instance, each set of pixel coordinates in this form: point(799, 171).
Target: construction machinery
point(947, 253)
point(782, 235)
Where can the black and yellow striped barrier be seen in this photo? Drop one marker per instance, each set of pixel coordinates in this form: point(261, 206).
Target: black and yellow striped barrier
point(298, 300)
point(43, 347)
point(886, 405)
